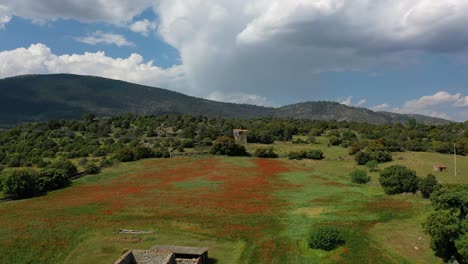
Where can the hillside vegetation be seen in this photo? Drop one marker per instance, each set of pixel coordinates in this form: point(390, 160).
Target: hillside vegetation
point(64, 96)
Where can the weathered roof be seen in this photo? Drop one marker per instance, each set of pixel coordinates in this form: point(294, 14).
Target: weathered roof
point(440, 166)
point(180, 250)
point(146, 257)
point(240, 130)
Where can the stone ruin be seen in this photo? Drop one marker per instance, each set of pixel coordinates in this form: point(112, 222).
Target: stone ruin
point(162, 254)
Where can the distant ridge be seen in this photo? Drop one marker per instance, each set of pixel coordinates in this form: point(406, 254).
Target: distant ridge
point(28, 98)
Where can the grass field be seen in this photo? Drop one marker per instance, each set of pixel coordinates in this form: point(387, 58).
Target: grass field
point(246, 210)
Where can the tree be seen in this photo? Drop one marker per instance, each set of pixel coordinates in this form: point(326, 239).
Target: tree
point(19, 184)
point(326, 238)
point(227, 146)
point(359, 176)
point(361, 158)
point(444, 228)
point(265, 153)
point(142, 152)
point(461, 244)
point(453, 198)
point(124, 155)
point(64, 165)
point(372, 165)
point(427, 185)
point(314, 154)
point(52, 179)
point(92, 168)
point(398, 179)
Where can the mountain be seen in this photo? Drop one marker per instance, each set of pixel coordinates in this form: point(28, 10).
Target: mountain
point(30, 98)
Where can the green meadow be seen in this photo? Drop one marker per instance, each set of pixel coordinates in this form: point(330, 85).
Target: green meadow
point(245, 210)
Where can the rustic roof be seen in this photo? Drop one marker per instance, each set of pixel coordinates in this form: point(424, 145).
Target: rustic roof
point(440, 166)
point(181, 250)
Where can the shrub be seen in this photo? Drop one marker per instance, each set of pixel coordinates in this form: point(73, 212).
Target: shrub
point(227, 146)
point(297, 155)
point(398, 179)
point(124, 155)
point(92, 168)
point(19, 184)
point(428, 185)
point(372, 165)
point(326, 238)
point(361, 158)
point(335, 141)
point(142, 152)
point(359, 176)
point(265, 153)
point(64, 165)
point(380, 156)
point(314, 154)
point(52, 179)
point(105, 162)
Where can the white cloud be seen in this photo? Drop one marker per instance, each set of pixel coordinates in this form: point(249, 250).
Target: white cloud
point(5, 16)
point(462, 102)
point(361, 102)
point(239, 98)
point(270, 46)
point(109, 11)
point(424, 102)
point(438, 105)
point(381, 107)
point(100, 37)
point(143, 27)
point(38, 58)
point(349, 102)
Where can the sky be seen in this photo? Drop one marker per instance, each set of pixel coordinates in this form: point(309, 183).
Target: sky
point(404, 56)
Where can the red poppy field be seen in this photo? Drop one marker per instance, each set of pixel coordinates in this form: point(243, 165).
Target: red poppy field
point(245, 210)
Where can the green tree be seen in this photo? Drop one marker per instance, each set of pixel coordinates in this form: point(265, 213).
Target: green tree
point(265, 153)
point(427, 185)
point(124, 155)
point(65, 165)
point(52, 179)
point(359, 176)
point(461, 244)
point(92, 168)
point(444, 228)
point(398, 179)
point(227, 146)
point(372, 165)
point(361, 158)
point(326, 238)
point(19, 184)
point(142, 152)
point(453, 198)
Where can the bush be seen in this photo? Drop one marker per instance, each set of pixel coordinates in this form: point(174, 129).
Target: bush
point(335, 141)
point(105, 162)
point(64, 165)
point(380, 156)
point(19, 184)
point(359, 176)
point(326, 238)
point(92, 168)
point(361, 158)
point(265, 153)
point(124, 155)
point(398, 179)
point(314, 154)
point(428, 185)
point(52, 179)
point(372, 165)
point(142, 152)
point(227, 146)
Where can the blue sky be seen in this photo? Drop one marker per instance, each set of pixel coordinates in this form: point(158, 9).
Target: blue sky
point(405, 56)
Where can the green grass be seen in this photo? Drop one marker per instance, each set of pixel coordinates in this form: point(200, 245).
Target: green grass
point(178, 199)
